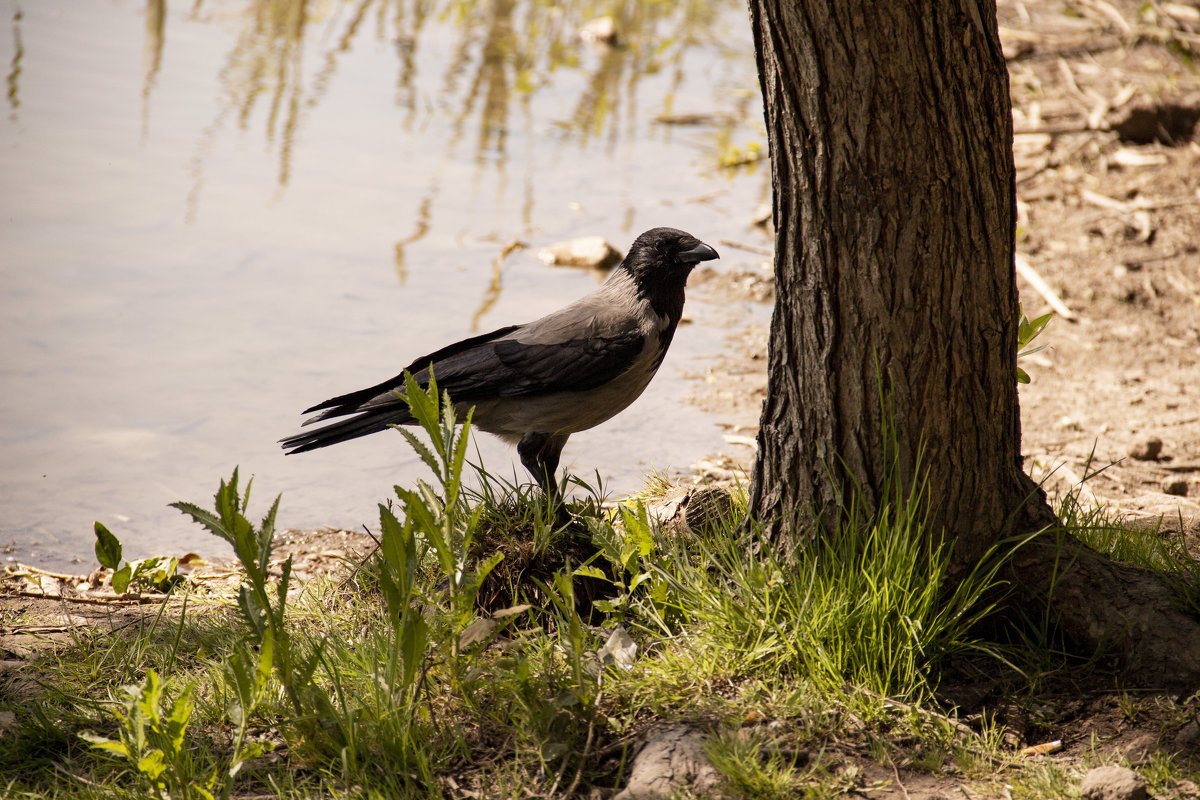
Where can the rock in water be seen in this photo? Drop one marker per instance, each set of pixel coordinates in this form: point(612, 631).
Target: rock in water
point(587, 251)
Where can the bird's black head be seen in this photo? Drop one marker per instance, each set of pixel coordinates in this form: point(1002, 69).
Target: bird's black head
point(660, 260)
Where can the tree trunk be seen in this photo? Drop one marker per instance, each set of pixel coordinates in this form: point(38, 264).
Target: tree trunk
point(891, 137)
point(890, 134)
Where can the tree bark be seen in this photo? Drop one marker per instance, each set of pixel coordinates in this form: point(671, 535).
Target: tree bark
point(893, 338)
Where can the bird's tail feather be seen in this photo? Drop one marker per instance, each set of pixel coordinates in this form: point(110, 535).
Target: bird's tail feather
point(349, 403)
point(368, 422)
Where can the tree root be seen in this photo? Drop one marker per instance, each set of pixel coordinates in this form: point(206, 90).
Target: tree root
point(1103, 607)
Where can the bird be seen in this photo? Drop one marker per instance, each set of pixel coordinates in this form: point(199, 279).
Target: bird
point(535, 384)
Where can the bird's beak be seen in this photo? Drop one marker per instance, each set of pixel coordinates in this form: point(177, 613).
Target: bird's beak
point(700, 252)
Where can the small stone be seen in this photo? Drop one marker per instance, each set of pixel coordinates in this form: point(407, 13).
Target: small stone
point(587, 251)
point(1148, 450)
point(1175, 486)
point(1138, 751)
point(1113, 783)
point(602, 30)
point(671, 762)
point(1188, 737)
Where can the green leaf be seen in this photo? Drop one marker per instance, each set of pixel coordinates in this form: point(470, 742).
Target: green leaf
point(205, 518)
point(1028, 330)
point(487, 565)
point(285, 579)
point(179, 716)
point(266, 655)
point(252, 611)
point(1022, 376)
point(104, 743)
point(151, 765)
point(637, 527)
point(414, 636)
point(638, 579)
point(267, 529)
point(459, 458)
point(108, 547)
point(394, 576)
point(304, 672)
point(589, 571)
point(121, 579)
point(148, 695)
point(423, 404)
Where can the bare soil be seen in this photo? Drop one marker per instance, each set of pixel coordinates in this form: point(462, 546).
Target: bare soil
point(1106, 108)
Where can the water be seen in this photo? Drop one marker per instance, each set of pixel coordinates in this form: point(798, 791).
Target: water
point(215, 214)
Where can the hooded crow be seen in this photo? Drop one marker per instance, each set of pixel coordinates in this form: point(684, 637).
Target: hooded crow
point(535, 384)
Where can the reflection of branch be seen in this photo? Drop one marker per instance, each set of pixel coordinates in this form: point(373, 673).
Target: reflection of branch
point(271, 43)
point(291, 54)
point(14, 71)
point(492, 293)
point(602, 95)
point(156, 17)
point(407, 46)
point(489, 87)
point(196, 165)
point(422, 228)
point(325, 75)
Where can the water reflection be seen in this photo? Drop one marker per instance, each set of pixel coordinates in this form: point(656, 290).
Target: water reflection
point(12, 81)
point(152, 54)
point(503, 53)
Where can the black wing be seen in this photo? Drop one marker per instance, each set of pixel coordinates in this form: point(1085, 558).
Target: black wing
point(511, 368)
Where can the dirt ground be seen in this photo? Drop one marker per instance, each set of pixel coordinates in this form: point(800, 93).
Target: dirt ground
point(1106, 98)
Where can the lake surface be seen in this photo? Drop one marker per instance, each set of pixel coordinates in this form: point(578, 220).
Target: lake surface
point(216, 214)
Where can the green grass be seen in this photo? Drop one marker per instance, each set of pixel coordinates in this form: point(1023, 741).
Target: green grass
point(468, 656)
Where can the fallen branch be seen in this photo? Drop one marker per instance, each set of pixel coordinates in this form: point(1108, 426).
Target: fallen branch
point(1108, 11)
point(20, 568)
point(1061, 129)
point(749, 248)
point(96, 600)
point(1026, 271)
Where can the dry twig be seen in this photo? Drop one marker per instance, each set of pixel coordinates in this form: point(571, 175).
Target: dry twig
point(1108, 11)
point(1026, 271)
point(749, 248)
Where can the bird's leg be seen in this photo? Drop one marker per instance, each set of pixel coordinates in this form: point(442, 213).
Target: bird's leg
point(539, 453)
